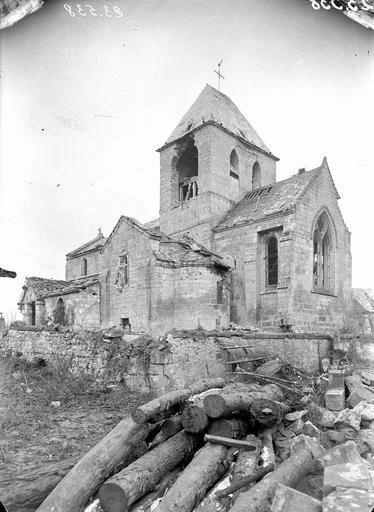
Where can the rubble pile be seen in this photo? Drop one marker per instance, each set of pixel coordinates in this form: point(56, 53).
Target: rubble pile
point(253, 447)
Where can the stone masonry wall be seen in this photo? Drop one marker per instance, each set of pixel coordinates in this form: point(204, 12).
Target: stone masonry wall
point(73, 267)
point(178, 359)
point(311, 310)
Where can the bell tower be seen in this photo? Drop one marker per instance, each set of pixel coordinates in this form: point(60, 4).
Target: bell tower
point(209, 162)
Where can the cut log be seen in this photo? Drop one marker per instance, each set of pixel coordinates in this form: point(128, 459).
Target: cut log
point(235, 428)
point(268, 412)
point(211, 502)
point(172, 426)
point(247, 462)
point(267, 453)
point(205, 469)
point(245, 482)
point(146, 503)
point(289, 472)
point(224, 404)
point(24, 492)
point(142, 476)
point(116, 449)
point(162, 407)
point(227, 441)
point(270, 368)
point(159, 439)
point(194, 418)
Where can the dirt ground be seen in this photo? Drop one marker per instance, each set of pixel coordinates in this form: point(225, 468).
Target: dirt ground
point(36, 435)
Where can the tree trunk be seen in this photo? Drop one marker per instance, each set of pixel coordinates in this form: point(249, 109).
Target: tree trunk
point(224, 404)
point(268, 412)
point(172, 426)
point(234, 428)
point(117, 447)
point(211, 502)
point(25, 492)
point(194, 418)
point(208, 466)
point(289, 472)
point(164, 406)
point(247, 462)
point(142, 476)
point(145, 503)
point(245, 482)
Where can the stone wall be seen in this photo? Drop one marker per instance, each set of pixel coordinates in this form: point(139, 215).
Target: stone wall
point(73, 267)
point(178, 359)
point(310, 309)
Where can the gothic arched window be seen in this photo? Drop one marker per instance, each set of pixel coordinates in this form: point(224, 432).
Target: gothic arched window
point(322, 247)
point(256, 176)
point(272, 261)
point(84, 267)
point(234, 165)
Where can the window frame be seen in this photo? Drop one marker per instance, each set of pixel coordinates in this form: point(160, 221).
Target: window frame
point(323, 254)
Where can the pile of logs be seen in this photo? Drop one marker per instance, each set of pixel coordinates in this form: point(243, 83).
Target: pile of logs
point(199, 448)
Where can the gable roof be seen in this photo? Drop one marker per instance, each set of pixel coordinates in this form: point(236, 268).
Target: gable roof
point(212, 106)
point(92, 245)
point(277, 198)
point(50, 287)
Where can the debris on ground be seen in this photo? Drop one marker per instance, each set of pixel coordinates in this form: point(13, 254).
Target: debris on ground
point(274, 439)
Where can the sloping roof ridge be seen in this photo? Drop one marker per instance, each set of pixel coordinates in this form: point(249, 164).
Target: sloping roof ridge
point(98, 237)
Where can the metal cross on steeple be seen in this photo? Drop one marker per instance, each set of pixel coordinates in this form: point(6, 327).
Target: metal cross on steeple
point(219, 74)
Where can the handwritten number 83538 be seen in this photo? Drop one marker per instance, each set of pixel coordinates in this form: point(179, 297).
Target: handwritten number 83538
point(87, 9)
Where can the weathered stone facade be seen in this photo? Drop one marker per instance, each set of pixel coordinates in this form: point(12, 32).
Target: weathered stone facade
point(231, 243)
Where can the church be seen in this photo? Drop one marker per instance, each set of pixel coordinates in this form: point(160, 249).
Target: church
point(231, 244)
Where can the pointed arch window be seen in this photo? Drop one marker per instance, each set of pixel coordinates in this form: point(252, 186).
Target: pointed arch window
point(84, 267)
point(272, 261)
point(322, 253)
point(234, 164)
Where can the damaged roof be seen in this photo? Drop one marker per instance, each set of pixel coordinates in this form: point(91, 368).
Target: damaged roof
point(175, 251)
point(92, 245)
point(215, 107)
point(50, 287)
point(365, 298)
point(276, 198)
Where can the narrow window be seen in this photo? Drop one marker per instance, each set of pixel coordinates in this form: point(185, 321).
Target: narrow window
point(84, 267)
point(124, 267)
point(272, 261)
point(256, 176)
point(219, 292)
point(322, 253)
point(234, 165)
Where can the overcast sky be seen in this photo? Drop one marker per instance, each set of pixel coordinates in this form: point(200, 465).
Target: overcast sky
point(86, 100)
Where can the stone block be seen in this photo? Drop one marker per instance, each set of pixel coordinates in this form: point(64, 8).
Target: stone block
point(302, 441)
point(297, 415)
point(348, 500)
point(348, 418)
point(365, 441)
point(335, 399)
point(349, 475)
point(347, 452)
point(286, 499)
point(322, 417)
point(310, 430)
point(336, 379)
point(297, 426)
point(366, 410)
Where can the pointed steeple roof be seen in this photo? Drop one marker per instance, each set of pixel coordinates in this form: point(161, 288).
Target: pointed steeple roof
point(215, 107)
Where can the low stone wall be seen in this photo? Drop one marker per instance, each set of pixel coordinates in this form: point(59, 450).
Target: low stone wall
point(169, 362)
